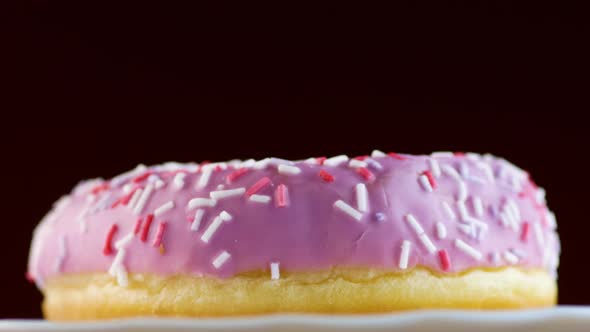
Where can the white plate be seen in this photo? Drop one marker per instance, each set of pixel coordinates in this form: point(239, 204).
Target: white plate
point(564, 318)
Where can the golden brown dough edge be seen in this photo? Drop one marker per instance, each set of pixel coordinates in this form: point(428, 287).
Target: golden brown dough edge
point(335, 291)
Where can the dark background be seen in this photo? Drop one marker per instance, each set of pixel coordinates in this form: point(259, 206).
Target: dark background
point(94, 89)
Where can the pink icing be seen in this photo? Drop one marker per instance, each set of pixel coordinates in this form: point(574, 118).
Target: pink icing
point(300, 227)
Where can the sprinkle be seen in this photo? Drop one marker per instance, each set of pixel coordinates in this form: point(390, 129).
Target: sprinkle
point(380, 216)
point(211, 229)
point(260, 198)
point(434, 167)
point(467, 249)
point(365, 173)
point(539, 235)
point(159, 234)
point(404, 255)
point(261, 164)
point(463, 214)
point(349, 210)
point(524, 234)
point(476, 222)
point(288, 170)
point(445, 261)
point(125, 200)
point(201, 202)
point(146, 227)
point(477, 206)
point(459, 154)
point(164, 208)
point(178, 182)
point(510, 257)
point(449, 212)
point(327, 177)
point(257, 186)
point(62, 252)
point(362, 200)
point(427, 243)
point(472, 156)
point(142, 177)
point(117, 261)
point(134, 198)
point(99, 188)
point(221, 259)
point(320, 160)
point(468, 229)
point(311, 161)
point(281, 195)
point(124, 241)
point(107, 248)
point(275, 273)
point(374, 164)
point(116, 203)
point(464, 170)
point(431, 179)
point(231, 177)
point(335, 161)
point(137, 226)
point(423, 180)
point(197, 220)
point(462, 194)
point(450, 171)
point(441, 230)
point(487, 171)
point(158, 183)
point(143, 199)
point(396, 156)
point(220, 194)
point(225, 216)
point(377, 153)
point(414, 224)
point(514, 208)
point(494, 258)
point(355, 163)
point(550, 219)
point(204, 179)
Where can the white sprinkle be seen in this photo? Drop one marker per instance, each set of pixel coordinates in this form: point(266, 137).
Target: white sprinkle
point(467, 249)
point(510, 257)
point(464, 170)
point(477, 222)
point(124, 241)
point(373, 163)
point(355, 163)
point(61, 254)
point(477, 206)
point(468, 229)
point(311, 161)
point(117, 261)
point(82, 218)
point(450, 171)
point(505, 219)
point(221, 259)
point(515, 211)
point(260, 198)
point(377, 153)
point(414, 224)
point(201, 202)
point(261, 164)
point(441, 230)
point(220, 186)
point(476, 179)
point(197, 220)
point(423, 179)
point(288, 170)
point(225, 216)
point(164, 208)
point(158, 183)
point(220, 194)
point(147, 193)
point(441, 154)
point(495, 258)
point(122, 279)
point(551, 220)
point(278, 161)
point(247, 163)
point(349, 210)
point(472, 156)
point(434, 167)
point(204, 179)
point(463, 214)
point(404, 255)
point(127, 188)
point(275, 273)
point(462, 194)
point(178, 182)
point(362, 200)
point(335, 161)
point(211, 229)
point(487, 171)
point(134, 198)
point(427, 243)
point(539, 235)
point(540, 196)
point(447, 208)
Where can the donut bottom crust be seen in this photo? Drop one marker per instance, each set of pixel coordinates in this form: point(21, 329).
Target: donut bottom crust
point(334, 291)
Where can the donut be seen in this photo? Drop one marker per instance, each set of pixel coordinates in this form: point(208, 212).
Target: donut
point(371, 234)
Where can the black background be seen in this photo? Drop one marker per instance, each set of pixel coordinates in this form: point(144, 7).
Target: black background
point(94, 89)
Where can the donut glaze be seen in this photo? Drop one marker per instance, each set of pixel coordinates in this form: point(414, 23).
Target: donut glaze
point(445, 212)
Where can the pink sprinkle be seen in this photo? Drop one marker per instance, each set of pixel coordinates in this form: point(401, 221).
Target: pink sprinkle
point(108, 249)
point(365, 173)
point(524, 235)
point(445, 261)
point(146, 227)
point(159, 234)
point(231, 177)
point(281, 195)
point(257, 186)
point(326, 176)
point(431, 179)
point(320, 160)
point(29, 277)
point(396, 156)
point(142, 177)
point(137, 226)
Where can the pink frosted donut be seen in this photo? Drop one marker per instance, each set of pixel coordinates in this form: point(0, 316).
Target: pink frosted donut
point(270, 226)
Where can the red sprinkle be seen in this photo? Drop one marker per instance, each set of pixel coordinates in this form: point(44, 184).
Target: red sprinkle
point(116, 203)
point(231, 177)
point(365, 173)
point(257, 186)
point(159, 234)
point(146, 227)
point(524, 235)
point(431, 179)
point(101, 187)
point(326, 176)
point(218, 168)
point(459, 154)
point(396, 156)
point(281, 195)
point(127, 198)
point(320, 160)
point(361, 158)
point(29, 277)
point(108, 249)
point(142, 177)
point(137, 226)
point(445, 261)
